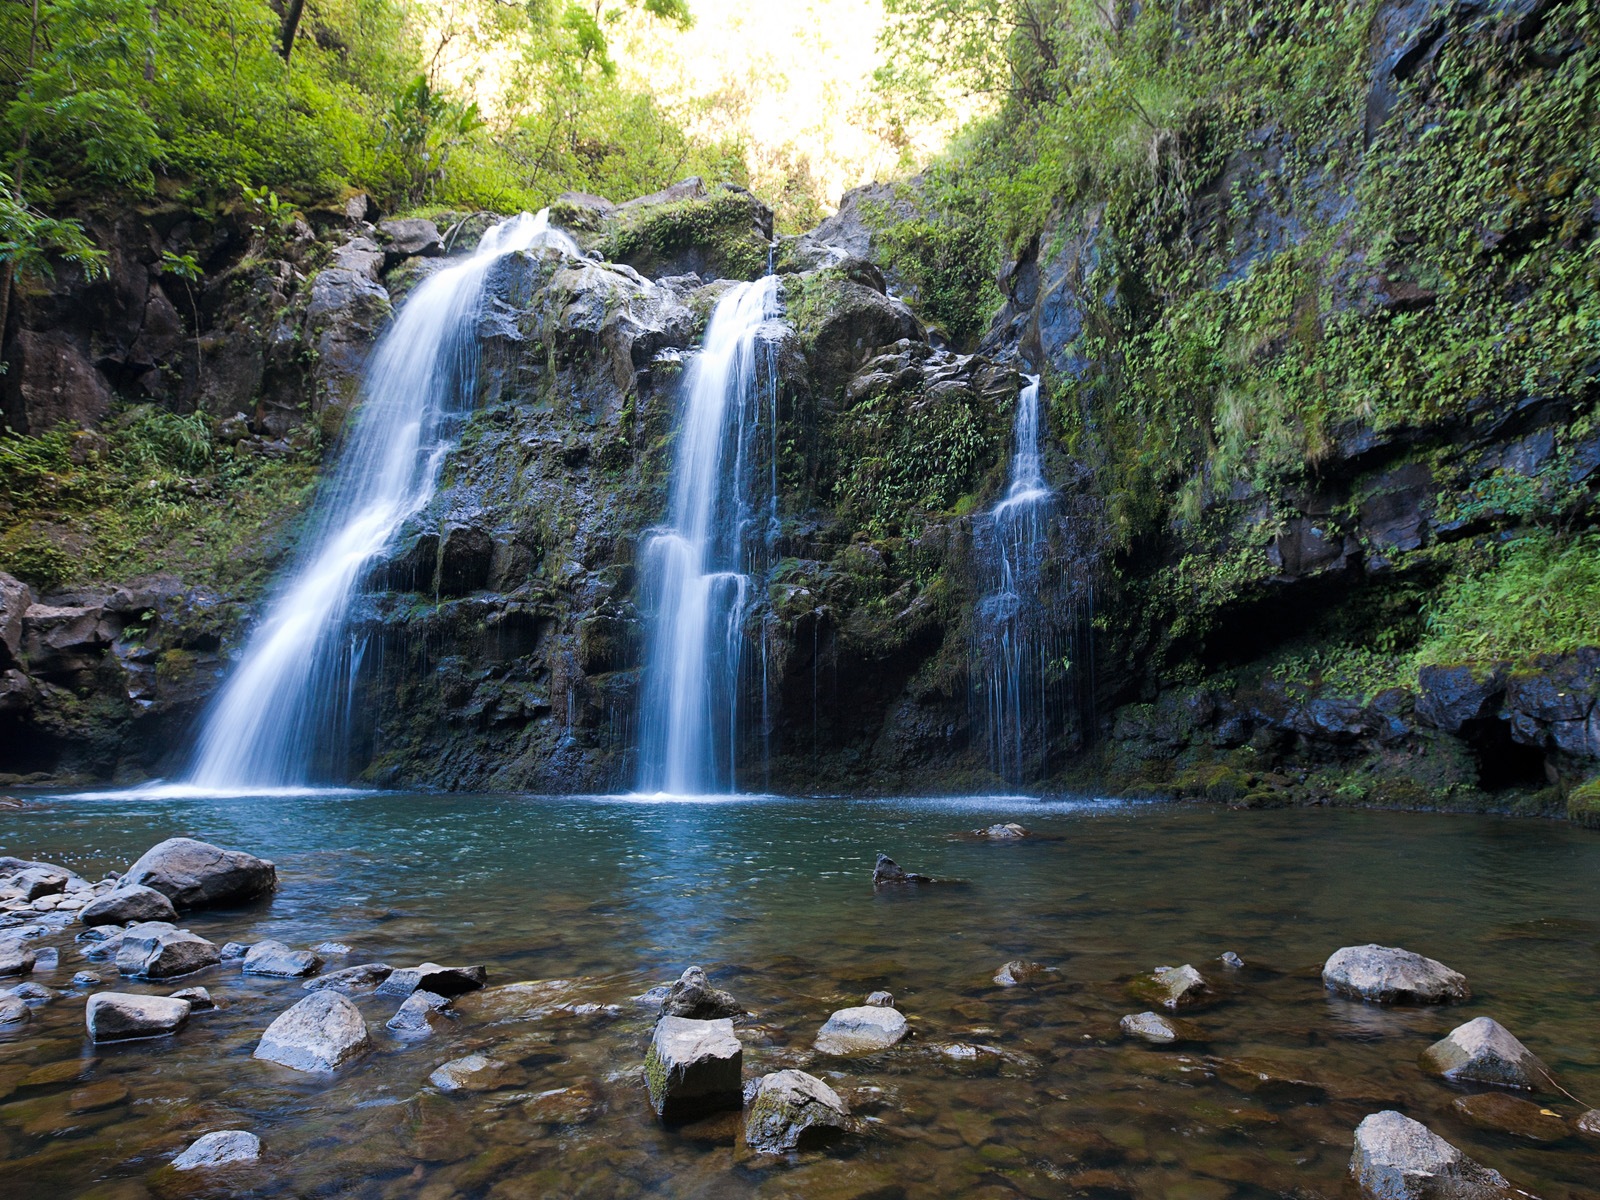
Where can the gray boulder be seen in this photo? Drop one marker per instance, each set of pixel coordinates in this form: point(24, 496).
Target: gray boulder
point(363, 977)
point(1389, 975)
point(199, 999)
point(694, 1067)
point(791, 1110)
point(888, 873)
point(410, 237)
point(863, 1030)
point(15, 958)
point(196, 874)
point(275, 958)
point(417, 1015)
point(123, 1016)
point(693, 996)
point(1485, 1051)
point(320, 1034)
point(1396, 1158)
point(431, 977)
point(35, 882)
point(1172, 987)
point(129, 905)
point(155, 950)
point(225, 1147)
point(13, 1010)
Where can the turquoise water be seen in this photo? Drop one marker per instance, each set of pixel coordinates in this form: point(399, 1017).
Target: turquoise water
point(773, 897)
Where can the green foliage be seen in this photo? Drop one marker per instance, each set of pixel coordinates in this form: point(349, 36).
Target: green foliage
point(29, 239)
point(949, 263)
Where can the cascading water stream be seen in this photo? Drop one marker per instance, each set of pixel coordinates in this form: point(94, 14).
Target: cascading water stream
point(285, 707)
point(699, 565)
point(1015, 637)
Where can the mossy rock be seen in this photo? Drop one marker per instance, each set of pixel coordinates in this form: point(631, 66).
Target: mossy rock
point(724, 234)
point(1583, 804)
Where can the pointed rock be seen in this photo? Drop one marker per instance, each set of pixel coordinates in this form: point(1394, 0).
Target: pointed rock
point(791, 1110)
point(693, 996)
point(1396, 1158)
point(320, 1034)
point(1485, 1051)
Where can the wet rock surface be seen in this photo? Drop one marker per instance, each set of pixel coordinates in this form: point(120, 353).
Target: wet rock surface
point(1173, 988)
point(275, 958)
point(319, 1034)
point(1389, 975)
point(1484, 1051)
point(129, 905)
point(156, 950)
point(361, 978)
point(693, 1068)
point(693, 996)
point(1511, 1116)
point(864, 1030)
point(195, 874)
point(1397, 1158)
point(225, 1147)
point(1158, 1030)
point(121, 1016)
point(792, 1110)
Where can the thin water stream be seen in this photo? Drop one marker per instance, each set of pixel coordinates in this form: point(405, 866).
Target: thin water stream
point(1001, 1092)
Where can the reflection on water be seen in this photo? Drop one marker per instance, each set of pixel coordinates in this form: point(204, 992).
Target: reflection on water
point(772, 896)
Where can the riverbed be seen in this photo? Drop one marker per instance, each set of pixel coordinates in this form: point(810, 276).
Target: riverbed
point(999, 1092)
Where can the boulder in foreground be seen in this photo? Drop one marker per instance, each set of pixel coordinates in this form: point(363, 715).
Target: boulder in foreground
point(321, 1033)
point(791, 1110)
point(194, 874)
point(129, 905)
point(122, 1016)
point(863, 1030)
point(1485, 1051)
point(1396, 1158)
point(694, 1067)
point(225, 1147)
point(155, 950)
point(1389, 975)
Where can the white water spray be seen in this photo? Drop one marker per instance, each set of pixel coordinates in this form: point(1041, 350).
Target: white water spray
point(698, 564)
point(286, 705)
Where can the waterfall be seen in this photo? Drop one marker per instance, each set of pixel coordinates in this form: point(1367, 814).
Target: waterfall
point(1016, 638)
point(700, 564)
point(281, 715)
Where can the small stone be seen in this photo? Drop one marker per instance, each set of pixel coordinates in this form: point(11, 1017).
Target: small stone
point(1389, 975)
point(1509, 1115)
point(128, 906)
point(46, 958)
point(693, 996)
point(1396, 1158)
point(1231, 960)
point(886, 872)
point(880, 1000)
point(14, 1011)
point(15, 958)
point(1172, 987)
point(431, 977)
point(122, 1016)
point(234, 950)
point(1159, 1030)
point(417, 1015)
point(1008, 832)
point(32, 993)
point(351, 981)
point(331, 948)
point(86, 979)
point(199, 999)
point(155, 950)
point(225, 1147)
point(1484, 1051)
point(694, 1067)
point(791, 1110)
point(1020, 971)
point(274, 958)
point(863, 1030)
point(194, 874)
point(321, 1033)
point(477, 1073)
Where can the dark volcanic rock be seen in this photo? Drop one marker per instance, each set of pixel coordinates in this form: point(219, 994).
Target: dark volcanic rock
point(196, 874)
point(693, 996)
point(1453, 696)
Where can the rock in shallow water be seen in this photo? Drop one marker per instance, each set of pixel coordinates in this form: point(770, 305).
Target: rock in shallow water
point(275, 958)
point(1020, 971)
point(477, 1073)
point(1509, 1115)
point(321, 1033)
point(225, 1147)
point(199, 999)
point(880, 999)
point(194, 874)
point(1390, 975)
point(1396, 1158)
point(1172, 987)
point(129, 905)
point(1484, 1051)
point(1158, 1030)
point(1010, 831)
point(15, 958)
point(417, 1015)
point(693, 996)
point(886, 873)
point(431, 977)
point(121, 1016)
point(351, 980)
point(14, 1010)
point(155, 950)
point(694, 1067)
point(862, 1030)
point(792, 1109)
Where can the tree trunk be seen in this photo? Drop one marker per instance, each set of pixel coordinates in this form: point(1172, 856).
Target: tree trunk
point(291, 24)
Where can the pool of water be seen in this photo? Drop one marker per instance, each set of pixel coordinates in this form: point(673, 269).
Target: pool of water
point(1000, 1092)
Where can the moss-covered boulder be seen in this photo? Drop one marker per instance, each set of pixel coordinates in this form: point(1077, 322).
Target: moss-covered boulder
point(720, 233)
point(1583, 804)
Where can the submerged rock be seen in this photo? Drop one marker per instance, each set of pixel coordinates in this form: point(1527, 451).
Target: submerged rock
point(225, 1147)
point(417, 1015)
point(275, 958)
point(862, 1030)
point(1010, 831)
point(1396, 1158)
point(155, 950)
point(364, 977)
point(15, 959)
point(1172, 987)
point(791, 1110)
point(1231, 960)
point(1019, 971)
point(321, 1033)
point(693, 996)
point(1389, 975)
point(1588, 1124)
point(886, 872)
point(1512, 1116)
point(121, 1016)
point(199, 999)
point(14, 1010)
point(127, 906)
point(1484, 1051)
point(32, 993)
point(574, 1105)
point(194, 874)
point(694, 1067)
point(1159, 1030)
point(431, 977)
point(477, 1073)
point(880, 999)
